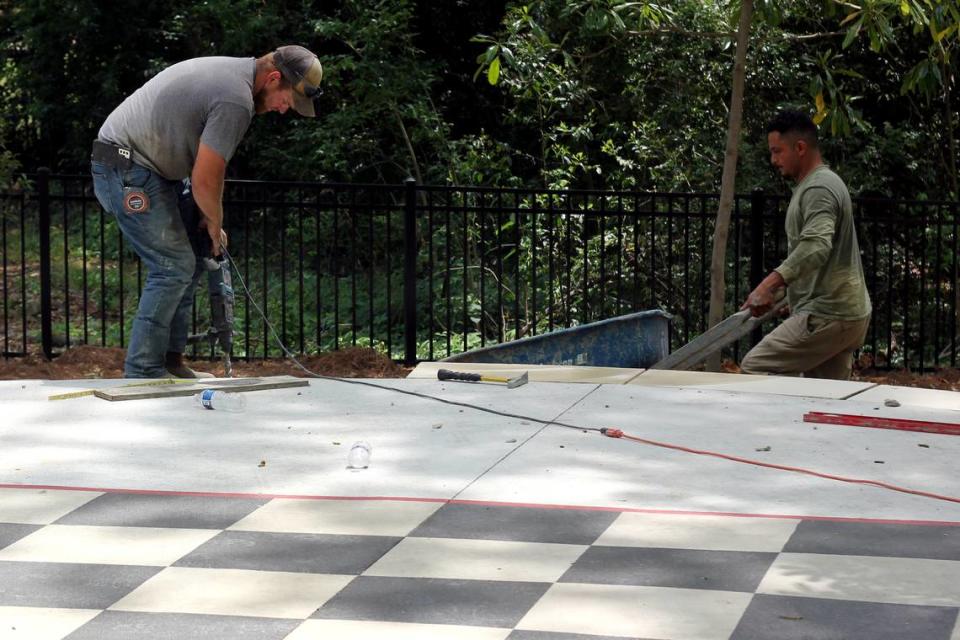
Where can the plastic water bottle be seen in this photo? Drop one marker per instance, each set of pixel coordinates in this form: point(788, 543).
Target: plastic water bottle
point(221, 400)
point(359, 456)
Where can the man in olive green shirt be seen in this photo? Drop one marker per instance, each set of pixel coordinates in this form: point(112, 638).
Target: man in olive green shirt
point(825, 288)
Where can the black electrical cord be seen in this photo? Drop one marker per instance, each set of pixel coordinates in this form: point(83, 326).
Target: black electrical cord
point(606, 431)
point(365, 383)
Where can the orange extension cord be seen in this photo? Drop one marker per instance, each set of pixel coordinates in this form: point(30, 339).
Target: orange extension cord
point(617, 433)
point(609, 432)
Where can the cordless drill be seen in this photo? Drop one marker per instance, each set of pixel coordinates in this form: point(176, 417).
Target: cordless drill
point(219, 283)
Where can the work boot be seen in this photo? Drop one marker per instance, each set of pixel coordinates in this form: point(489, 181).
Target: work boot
point(175, 367)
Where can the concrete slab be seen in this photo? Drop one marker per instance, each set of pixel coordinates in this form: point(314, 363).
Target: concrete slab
point(803, 387)
point(568, 466)
point(932, 398)
point(538, 372)
point(289, 441)
point(295, 441)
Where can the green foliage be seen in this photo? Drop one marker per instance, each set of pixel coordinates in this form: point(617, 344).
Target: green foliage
point(566, 93)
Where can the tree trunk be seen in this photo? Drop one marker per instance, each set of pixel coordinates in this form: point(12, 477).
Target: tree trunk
point(729, 179)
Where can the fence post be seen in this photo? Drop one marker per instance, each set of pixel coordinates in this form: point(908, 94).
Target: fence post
point(410, 273)
point(757, 205)
point(43, 203)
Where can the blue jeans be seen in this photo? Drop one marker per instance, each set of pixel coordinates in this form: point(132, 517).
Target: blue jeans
point(160, 239)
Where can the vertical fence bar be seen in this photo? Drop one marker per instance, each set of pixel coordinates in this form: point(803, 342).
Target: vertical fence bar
point(300, 282)
point(318, 271)
point(370, 280)
point(937, 288)
point(874, 269)
point(23, 272)
point(353, 266)
point(686, 268)
point(103, 280)
point(955, 279)
point(246, 276)
point(83, 241)
point(66, 263)
point(448, 294)
point(466, 274)
point(585, 239)
point(921, 346)
point(651, 281)
point(620, 251)
point(46, 315)
point(410, 273)
point(566, 263)
point(283, 271)
point(6, 310)
point(668, 271)
point(335, 269)
point(499, 236)
point(6, 313)
point(432, 329)
point(534, 240)
point(263, 265)
point(602, 214)
point(905, 295)
point(389, 283)
point(890, 293)
point(551, 263)
point(516, 265)
point(702, 325)
point(636, 253)
point(481, 211)
point(757, 204)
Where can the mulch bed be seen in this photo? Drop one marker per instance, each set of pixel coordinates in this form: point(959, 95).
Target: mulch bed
point(352, 362)
point(106, 362)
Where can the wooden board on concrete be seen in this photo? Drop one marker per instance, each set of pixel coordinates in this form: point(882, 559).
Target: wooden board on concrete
point(781, 385)
point(227, 384)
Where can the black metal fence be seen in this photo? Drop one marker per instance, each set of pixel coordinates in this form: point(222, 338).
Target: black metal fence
point(421, 272)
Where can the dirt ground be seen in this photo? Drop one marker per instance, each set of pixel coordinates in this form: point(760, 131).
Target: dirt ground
point(103, 362)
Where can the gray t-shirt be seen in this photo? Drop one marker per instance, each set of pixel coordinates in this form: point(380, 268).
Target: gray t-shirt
point(207, 100)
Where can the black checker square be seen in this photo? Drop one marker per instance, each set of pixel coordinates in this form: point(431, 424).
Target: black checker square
point(517, 634)
point(10, 532)
point(679, 568)
point(934, 542)
point(127, 625)
point(67, 585)
point(293, 552)
point(519, 524)
point(154, 510)
point(771, 617)
point(481, 603)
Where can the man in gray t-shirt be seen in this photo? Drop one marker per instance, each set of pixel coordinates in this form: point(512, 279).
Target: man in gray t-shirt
point(185, 123)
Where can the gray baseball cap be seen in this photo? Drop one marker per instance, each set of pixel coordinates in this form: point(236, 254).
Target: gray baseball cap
point(301, 68)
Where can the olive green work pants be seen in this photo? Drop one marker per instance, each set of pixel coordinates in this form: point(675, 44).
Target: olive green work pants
point(807, 345)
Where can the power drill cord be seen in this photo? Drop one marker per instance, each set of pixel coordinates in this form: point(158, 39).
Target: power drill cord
point(609, 432)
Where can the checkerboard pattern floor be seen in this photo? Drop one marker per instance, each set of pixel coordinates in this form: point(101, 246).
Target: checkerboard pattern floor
point(95, 565)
